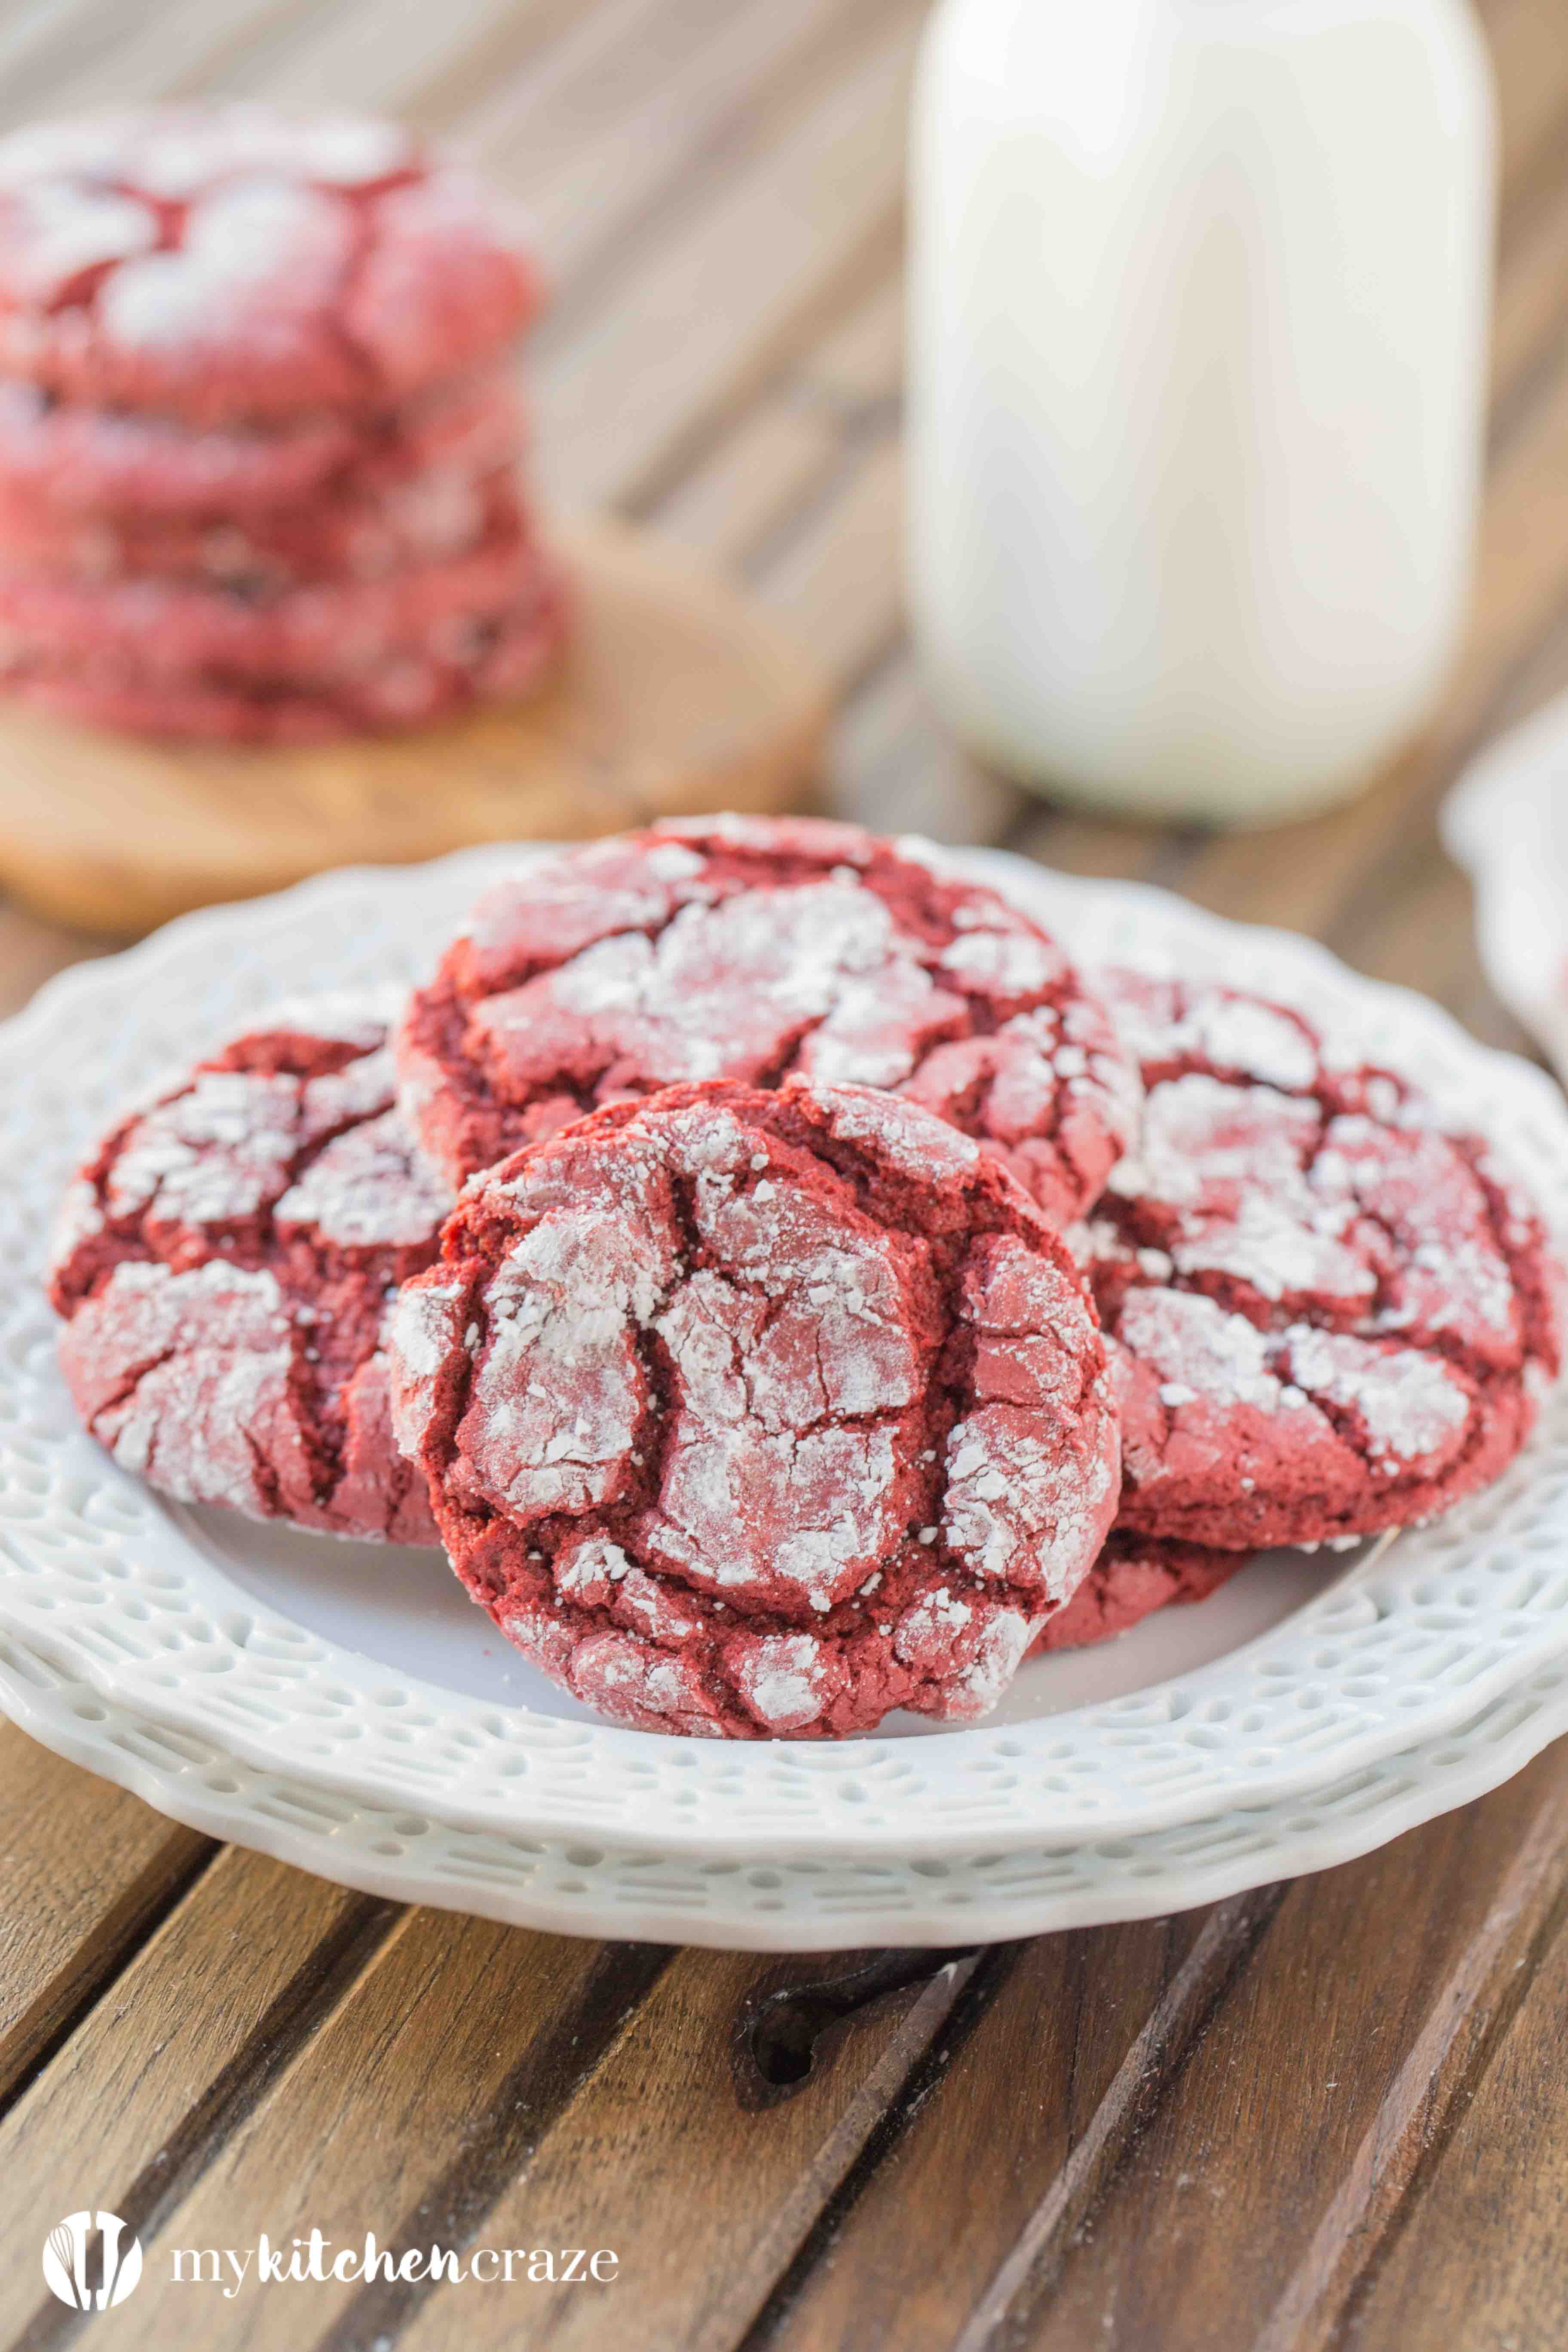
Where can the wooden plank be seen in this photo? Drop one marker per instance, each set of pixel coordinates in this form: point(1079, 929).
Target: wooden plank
point(703, 2192)
point(834, 584)
point(689, 335)
point(128, 2111)
point(896, 768)
point(796, 446)
point(1477, 2258)
point(628, 126)
point(426, 2080)
point(84, 1868)
point(1006, 2144)
point(1277, 2155)
point(1420, 930)
point(756, 484)
point(1531, 59)
point(1099, 847)
point(858, 367)
point(183, 49)
point(43, 44)
point(1297, 874)
point(382, 58)
point(1531, 317)
point(1425, 938)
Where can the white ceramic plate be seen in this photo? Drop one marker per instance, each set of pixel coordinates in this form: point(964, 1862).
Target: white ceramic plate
point(576, 1887)
point(364, 1673)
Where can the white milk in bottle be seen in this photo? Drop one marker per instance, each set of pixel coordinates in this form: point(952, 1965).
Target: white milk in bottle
point(1197, 357)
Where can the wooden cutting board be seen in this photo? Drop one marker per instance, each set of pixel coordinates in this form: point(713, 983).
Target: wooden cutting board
point(678, 696)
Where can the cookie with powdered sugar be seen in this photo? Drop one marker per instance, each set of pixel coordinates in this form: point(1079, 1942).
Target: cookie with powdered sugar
point(307, 666)
point(328, 636)
point(364, 528)
point(67, 466)
point(751, 1414)
point(225, 1262)
point(227, 265)
point(1330, 1311)
point(750, 949)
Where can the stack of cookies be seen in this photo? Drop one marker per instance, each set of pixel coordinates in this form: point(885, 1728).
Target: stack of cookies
point(258, 450)
point(792, 1291)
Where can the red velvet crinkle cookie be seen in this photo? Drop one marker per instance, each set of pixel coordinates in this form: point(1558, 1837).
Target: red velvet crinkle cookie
point(749, 949)
point(225, 1262)
point(495, 658)
point(1331, 1314)
point(358, 533)
point(323, 635)
point(75, 463)
point(487, 657)
point(224, 264)
point(751, 1414)
point(1134, 1576)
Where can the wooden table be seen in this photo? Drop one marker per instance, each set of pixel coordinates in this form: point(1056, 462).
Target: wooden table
point(1329, 2113)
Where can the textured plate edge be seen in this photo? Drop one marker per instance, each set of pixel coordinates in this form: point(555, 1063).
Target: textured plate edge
point(1409, 1804)
point(782, 1845)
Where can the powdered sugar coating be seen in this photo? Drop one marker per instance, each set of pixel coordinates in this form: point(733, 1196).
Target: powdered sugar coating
point(1330, 1313)
point(309, 665)
point(366, 531)
point(70, 467)
point(756, 1412)
point(749, 952)
point(224, 264)
point(326, 635)
point(480, 659)
point(226, 1263)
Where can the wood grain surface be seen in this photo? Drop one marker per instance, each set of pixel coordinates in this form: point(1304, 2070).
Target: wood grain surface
point(1328, 2117)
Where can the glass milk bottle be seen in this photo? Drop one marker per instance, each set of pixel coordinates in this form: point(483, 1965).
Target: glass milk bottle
point(1197, 357)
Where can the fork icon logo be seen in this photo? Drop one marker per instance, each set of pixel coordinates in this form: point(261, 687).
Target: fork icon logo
point(118, 2265)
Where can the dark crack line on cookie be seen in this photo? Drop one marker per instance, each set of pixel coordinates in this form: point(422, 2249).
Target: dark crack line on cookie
point(260, 1249)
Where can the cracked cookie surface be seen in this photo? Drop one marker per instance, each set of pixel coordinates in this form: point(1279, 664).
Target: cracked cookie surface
point(1330, 1313)
point(224, 1264)
point(753, 1414)
point(225, 263)
point(749, 950)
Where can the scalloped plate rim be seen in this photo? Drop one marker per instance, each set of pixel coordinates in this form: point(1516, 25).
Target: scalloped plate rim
point(1412, 1799)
